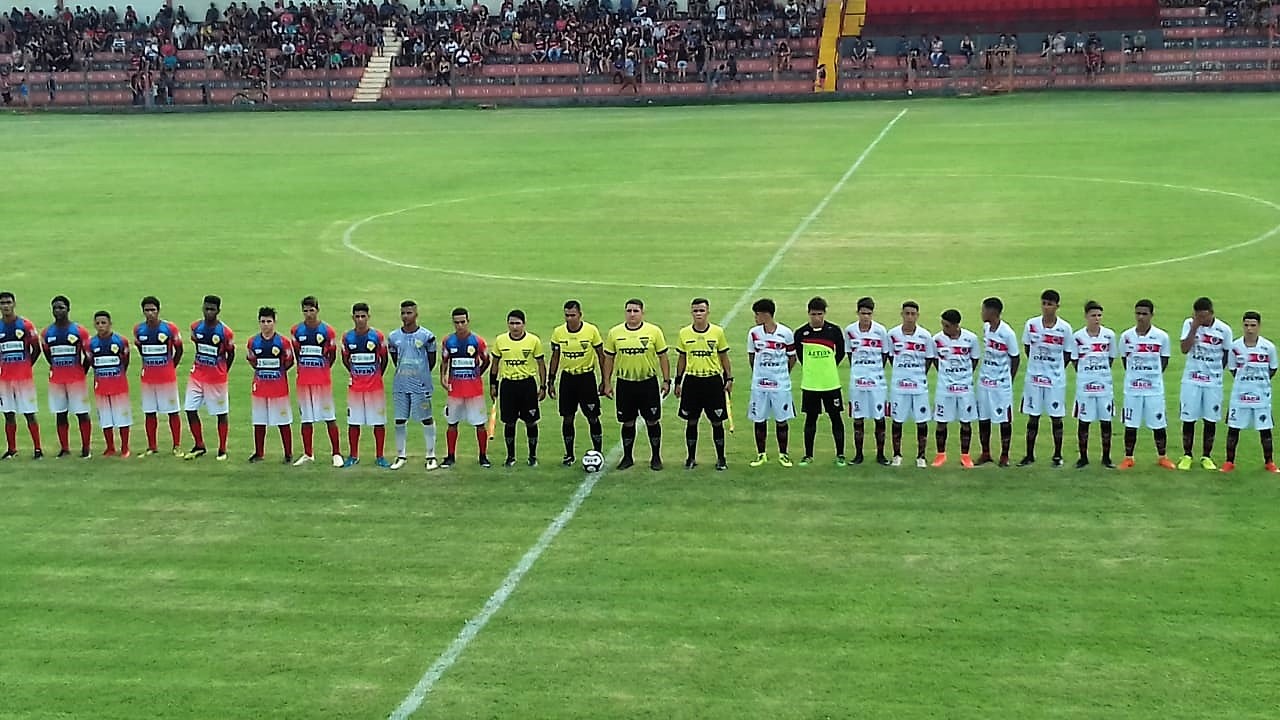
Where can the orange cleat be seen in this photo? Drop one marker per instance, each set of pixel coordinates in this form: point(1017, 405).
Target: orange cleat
point(1166, 463)
point(1271, 468)
point(108, 453)
point(1126, 464)
point(126, 453)
point(966, 461)
point(1227, 466)
point(940, 459)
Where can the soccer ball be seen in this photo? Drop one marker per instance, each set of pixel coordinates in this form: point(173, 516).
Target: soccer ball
point(592, 461)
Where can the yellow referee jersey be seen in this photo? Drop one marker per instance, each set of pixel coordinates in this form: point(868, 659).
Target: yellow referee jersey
point(516, 359)
point(577, 349)
point(702, 350)
point(635, 351)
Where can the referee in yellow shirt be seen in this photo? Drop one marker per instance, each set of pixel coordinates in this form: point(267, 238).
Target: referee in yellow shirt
point(703, 378)
point(518, 381)
point(635, 351)
point(577, 349)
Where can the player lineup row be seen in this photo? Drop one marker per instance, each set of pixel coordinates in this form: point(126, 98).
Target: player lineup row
point(633, 355)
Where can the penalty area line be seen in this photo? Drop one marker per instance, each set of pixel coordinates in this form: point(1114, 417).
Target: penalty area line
point(418, 695)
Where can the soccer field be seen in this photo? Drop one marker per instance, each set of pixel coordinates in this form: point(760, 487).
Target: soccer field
point(154, 587)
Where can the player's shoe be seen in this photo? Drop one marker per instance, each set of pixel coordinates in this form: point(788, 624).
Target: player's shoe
point(255, 458)
point(108, 453)
point(966, 462)
point(920, 463)
point(882, 460)
point(1185, 462)
point(1271, 468)
point(1106, 463)
point(625, 463)
point(533, 462)
point(382, 463)
point(721, 465)
point(984, 459)
point(939, 460)
point(448, 462)
point(510, 462)
point(655, 463)
point(1027, 460)
point(1004, 461)
point(351, 462)
point(125, 454)
point(286, 460)
point(785, 460)
point(1057, 461)
point(399, 463)
point(1166, 463)
point(37, 454)
point(1128, 463)
point(303, 460)
point(431, 464)
point(195, 452)
point(840, 461)
point(568, 460)
point(221, 456)
point(9, 454)
point(177, 452)
point(484, 462)
point(806, 461)
point(1207, 463)
point(149, 452)
point(1082, 463)
point(761, 459)
point(339, 461)
point(857, 459)
point(1227, 467)
point(85, 454)
point(690, 464)
point(62, 453)
point(896, 461)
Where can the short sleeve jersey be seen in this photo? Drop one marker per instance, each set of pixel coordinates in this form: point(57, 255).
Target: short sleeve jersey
point(411, 352)
point(365, 352)
point(998, 347)
point(158, 346)
point(1094, 356)
point(577, 348)
point(66, 348)
point(1046, 352)
point(702, 350)
point(867, 351)
point(463, 358)
point(773, 352)
point(213, 344)
point(315, 349)
point(517, 359)
point(19, 342)
point(1207, 358)
point(270, 359)
point(955, 361)
point(635, 352)
point(911, 352)
point(1143, 364)
point(1253, 367)
point(109, 355)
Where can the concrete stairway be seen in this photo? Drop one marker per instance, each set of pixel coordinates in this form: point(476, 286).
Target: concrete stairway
point(379, 69)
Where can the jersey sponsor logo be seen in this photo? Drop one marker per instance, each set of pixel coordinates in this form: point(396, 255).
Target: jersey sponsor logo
point(1094, 387)
point(312, 351)
point(1209, 339)
point(1249, 398)
point(13, 346)
point(997, 346)
point(1153, 348)
point(864, 383)
point(1198, 376)
point(155, 350)
point(106, 361)
point(989, 383)
point(634, 351)
point(957, 389)
point(61, 350)
point(462, 362)
point(908, 385)
point(1042, 381)
point(268, 363)
point(206, 349)
point(1141, 384)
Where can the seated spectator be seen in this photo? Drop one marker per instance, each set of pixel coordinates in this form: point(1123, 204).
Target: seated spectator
point(967, 49)
point(1139, 43)
point(783, 52)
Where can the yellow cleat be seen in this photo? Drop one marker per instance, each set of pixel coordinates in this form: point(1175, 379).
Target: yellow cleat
point(1185, 463)
point(1207, 463)
point(761, 459)
point(785, 461)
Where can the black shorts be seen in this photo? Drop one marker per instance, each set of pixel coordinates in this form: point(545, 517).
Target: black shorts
point(702, 394)
point(518, 400)
point(638, 398)
point(813, 402)
point(579, 391)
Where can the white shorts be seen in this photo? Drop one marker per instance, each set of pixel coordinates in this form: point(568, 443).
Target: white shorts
point(411, 406)
point(1094, 408)
point(766, 405)
point(465, 410)
point(18, 397)
point(955, 408)
point(366, 408)
point(867, 404)
point(1200, 402)
point(114, 411)
point(1037, 400)
point(909, 408)
point(995, 404)
point(315, 403)
point(213, 398)
point(160, 398)
point(272, 411)
point(1254, 415)
point(69, 398)
point(1145, 411)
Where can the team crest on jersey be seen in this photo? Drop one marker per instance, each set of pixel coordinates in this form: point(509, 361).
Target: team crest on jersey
point(115, 348)
point(711, 344)
point(644, 342)
point(215, 339)
point(17, 334)
point(162, 337)
point(417, 344)
point(72, 339)
point(527, 352)
point(275, 349)
point(471, 349)
point(584, 344)
point(319, 339)
point(369, 344)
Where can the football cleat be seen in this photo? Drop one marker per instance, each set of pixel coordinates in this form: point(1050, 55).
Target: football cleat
point(761, 459)
point(303, 460)
point(785, 461)
point(939, 460)
point(1185, 462)
point(399, 463)
point(1207, 463)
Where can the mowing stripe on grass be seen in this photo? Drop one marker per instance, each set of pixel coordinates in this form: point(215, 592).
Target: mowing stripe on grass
point(416, 697)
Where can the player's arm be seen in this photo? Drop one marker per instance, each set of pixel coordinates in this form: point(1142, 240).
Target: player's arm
point(44, 348)
point(542, 378)
point(383, 360)
point(1164, 356)
point(431, 355)
point(175, 342)
point(664, 362)
point(839, 346)
point(444, 371)
point(230, 355)
point(346, 357)
point(394, 352)
point(86, 357)
point(124, 357)
point(1226, 347)
point(555, 368)
point(330, 352)
point(493, 378)
point(1189, 333)
point(1014, 362)
point(484, 358)
point(681, 363)
point(286, 362)
point(726, 365)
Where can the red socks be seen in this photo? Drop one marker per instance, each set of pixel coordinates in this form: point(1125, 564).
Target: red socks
point(482, 437)
point(306, 440)
point(175, 428)
point(259, 439)
point(197, 431)
point(379, 438)
point(286, 439)
point(451, 435)
point(152, 423)
point(86, 430)
point(333, 437)
point(11, 435)
point(223, 426)
point(64, 438)
point(353, 440)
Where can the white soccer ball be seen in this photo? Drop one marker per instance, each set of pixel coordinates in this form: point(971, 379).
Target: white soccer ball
point(592, 461)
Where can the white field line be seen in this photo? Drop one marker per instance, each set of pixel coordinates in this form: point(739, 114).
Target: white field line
point(416, 697)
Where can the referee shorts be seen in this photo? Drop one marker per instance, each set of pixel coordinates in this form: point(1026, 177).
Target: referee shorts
point(518, 400)
point(579, 392)
point(638, 398)
point(702, 394)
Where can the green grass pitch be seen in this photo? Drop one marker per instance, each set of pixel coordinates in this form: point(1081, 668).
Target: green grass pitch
point(163, 588)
